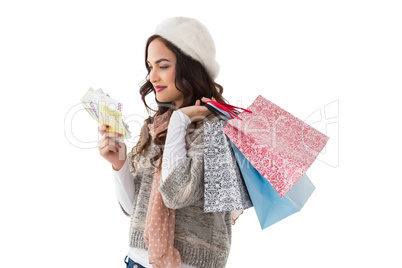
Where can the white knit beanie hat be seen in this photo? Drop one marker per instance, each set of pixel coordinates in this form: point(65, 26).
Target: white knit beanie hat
point(193, 38)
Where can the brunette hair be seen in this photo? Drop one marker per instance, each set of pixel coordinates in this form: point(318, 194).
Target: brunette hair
point(191, 78)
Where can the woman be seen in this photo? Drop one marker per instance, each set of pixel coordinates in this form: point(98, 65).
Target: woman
point(160, 184)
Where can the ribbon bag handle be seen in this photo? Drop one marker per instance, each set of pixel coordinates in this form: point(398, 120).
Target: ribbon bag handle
point(231, 110)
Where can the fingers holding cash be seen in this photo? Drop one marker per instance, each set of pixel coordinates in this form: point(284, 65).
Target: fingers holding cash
point(102, 129)
point(106, 141)
point(114, 131)
point(110, 148)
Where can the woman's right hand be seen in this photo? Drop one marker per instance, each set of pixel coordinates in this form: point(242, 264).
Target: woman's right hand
point(114, 152)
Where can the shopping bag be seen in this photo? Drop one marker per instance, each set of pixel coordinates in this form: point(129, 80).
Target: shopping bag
point(279, 145)
point(269, 206)
point(224, 186)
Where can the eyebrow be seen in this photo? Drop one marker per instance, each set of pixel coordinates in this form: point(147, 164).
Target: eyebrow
point(160, 60)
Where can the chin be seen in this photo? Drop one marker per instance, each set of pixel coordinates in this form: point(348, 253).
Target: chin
point(161, 99)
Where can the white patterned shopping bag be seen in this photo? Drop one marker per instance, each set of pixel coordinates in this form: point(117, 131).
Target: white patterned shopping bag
point(225, 189)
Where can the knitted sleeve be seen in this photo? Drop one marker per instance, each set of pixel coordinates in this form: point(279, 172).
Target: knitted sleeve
point(184, 185)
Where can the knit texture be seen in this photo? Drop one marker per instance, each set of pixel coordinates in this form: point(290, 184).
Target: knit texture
point(203, 239)
point(193, 38)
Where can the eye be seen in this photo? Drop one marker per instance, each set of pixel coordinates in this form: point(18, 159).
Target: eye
point(164, 67)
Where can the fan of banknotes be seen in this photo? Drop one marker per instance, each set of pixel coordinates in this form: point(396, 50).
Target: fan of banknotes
point(106, 111)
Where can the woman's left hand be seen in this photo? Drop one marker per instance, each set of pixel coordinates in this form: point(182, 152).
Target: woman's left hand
point(197, 112)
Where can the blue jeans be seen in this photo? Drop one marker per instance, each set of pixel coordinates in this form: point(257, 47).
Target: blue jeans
point(131, 264)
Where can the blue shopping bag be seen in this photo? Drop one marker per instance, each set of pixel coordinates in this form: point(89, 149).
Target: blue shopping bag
point(269, 206)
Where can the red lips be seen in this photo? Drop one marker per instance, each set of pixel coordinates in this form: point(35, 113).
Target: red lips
point(159, 88)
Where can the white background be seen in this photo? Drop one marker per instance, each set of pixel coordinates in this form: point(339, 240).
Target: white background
point(338, 59)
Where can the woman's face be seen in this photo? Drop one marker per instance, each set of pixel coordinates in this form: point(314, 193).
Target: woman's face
point(162, 64)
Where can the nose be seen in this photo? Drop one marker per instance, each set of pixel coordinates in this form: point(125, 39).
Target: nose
point(153, 76)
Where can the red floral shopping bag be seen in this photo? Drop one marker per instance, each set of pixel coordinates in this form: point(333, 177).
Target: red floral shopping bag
point(279, 145)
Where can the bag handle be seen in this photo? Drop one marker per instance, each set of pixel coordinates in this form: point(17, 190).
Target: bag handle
point(230, 109)
point(217, 112)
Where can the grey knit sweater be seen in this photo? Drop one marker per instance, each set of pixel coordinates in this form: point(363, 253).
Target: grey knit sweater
point(203, 239)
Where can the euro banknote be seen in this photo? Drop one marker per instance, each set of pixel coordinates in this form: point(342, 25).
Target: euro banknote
point(106, 111)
